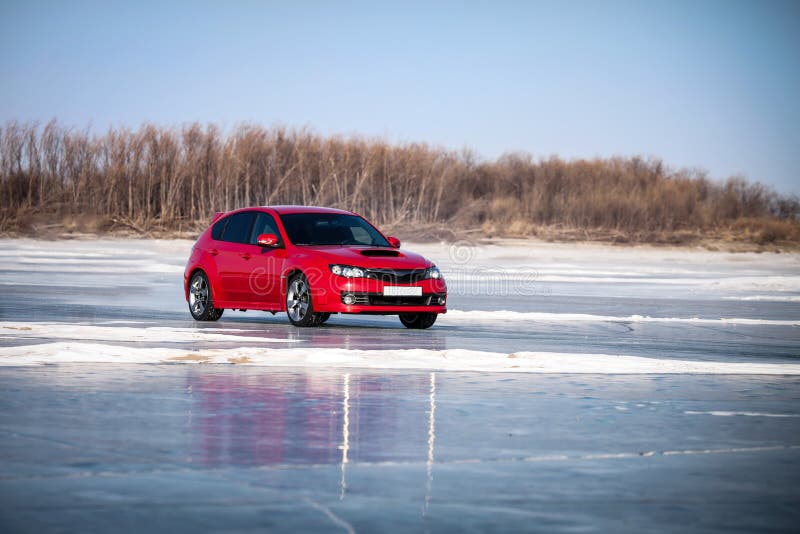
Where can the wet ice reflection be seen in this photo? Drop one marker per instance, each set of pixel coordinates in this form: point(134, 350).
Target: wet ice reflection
point(345, 432)
point(431, 441)
point(268, 419)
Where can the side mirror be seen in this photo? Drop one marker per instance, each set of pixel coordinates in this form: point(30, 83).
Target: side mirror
point(267, 240)
point(393, 241)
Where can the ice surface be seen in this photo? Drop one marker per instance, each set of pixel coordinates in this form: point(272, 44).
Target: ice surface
point(571, 388)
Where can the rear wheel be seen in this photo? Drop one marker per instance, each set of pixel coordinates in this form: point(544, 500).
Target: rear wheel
point(299, 306)
point(201, 302)
point(418, 320)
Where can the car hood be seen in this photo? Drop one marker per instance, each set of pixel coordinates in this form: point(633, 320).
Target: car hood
point(369, 257)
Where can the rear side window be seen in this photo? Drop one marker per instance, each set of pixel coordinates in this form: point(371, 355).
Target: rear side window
point(265, 224)
point(237, 229)
point(218, 228)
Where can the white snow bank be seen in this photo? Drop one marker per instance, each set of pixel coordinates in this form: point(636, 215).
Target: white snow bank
point(453, 360)
point(765, 298)
point(127, 334)
point(461, 316)
point(720, 413)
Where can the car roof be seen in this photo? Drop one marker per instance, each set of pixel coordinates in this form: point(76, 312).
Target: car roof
point(281, 210)
point(285, 210)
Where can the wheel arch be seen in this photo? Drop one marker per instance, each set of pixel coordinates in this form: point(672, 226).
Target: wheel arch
point(288, 275)
point(194, 271)
point(315, 274)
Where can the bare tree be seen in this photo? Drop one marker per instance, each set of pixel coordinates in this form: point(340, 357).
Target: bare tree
point(154, 176)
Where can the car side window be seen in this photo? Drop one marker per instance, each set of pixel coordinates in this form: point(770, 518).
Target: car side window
point(238, 228)
point(265, 224)
point(218, 228)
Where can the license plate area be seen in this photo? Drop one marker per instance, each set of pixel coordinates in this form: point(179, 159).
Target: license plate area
point(402, 291)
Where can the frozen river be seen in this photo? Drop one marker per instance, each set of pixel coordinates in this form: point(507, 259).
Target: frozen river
point(570, 388)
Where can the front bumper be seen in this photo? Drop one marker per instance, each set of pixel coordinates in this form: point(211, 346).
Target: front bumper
point(388, 310)
point(370, 299)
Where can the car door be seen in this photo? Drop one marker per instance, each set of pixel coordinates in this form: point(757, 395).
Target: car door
point(264, 283)
point(234, 255)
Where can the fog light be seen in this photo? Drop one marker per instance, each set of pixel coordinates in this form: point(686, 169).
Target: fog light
point(442, 301)
point(349, 299)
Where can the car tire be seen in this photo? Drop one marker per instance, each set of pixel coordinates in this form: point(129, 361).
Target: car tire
point(323, 317)
point(201, 301)
point(299, 305)
point(418, 320)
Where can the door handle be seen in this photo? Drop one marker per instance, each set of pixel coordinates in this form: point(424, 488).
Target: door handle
point(245, 255)
point(213, 252)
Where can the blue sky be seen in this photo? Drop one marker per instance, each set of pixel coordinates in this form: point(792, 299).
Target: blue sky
point(711, 84)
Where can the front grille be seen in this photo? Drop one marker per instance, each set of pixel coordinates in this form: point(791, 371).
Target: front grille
point(397, 276)
point(378, 299)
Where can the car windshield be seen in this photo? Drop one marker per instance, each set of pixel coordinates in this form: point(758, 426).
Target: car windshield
point(331, 229)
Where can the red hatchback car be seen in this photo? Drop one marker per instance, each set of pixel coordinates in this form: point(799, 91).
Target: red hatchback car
point(310, 263)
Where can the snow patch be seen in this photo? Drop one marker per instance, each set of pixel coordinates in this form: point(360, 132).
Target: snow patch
point(460, 316)
point(720, 413)
point(766, 298)
point(453, 360)
point(129, 334)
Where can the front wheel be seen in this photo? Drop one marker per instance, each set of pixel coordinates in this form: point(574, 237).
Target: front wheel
point(299, 306)
point(201, 303)
point(418, 320)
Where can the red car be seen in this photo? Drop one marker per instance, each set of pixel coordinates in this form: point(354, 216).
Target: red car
point(310, 263)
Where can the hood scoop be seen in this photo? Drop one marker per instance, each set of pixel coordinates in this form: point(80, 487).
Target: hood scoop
point(380, 253)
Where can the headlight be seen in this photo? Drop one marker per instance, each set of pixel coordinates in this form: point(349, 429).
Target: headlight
point(347, 271)
point(434, 273)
